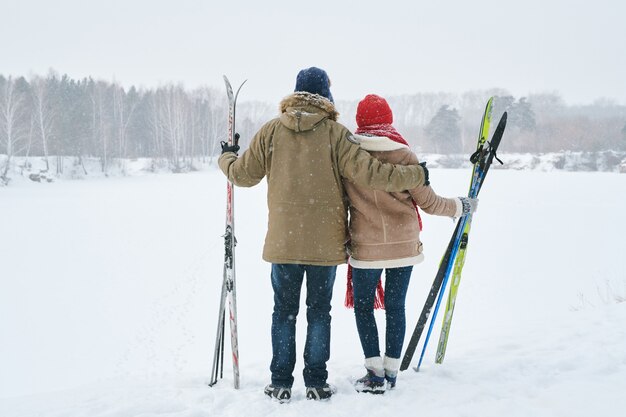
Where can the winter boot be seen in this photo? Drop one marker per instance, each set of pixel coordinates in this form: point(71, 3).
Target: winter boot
point(374, 381)
point(283, 395)
point(320, 393)
point(391, 365)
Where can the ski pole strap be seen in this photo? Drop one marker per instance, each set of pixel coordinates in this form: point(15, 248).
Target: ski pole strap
point(492, 151)
point(482, 151)
point(476, 156)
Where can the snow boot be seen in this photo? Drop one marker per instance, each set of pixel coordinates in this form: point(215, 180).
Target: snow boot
point(374, 381)
point(282, 395)
point(391, 365)
point(320, 393)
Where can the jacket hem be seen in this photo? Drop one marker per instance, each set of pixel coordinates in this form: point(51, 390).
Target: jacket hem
point(316, 262)
point(387, 263)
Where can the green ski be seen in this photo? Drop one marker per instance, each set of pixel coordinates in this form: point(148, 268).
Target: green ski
point(439, 284)
point(484, 156)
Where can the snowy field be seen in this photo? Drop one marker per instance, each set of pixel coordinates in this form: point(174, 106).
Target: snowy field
point(109, 292)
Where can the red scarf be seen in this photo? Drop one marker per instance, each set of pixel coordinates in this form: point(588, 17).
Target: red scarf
point(386, 130)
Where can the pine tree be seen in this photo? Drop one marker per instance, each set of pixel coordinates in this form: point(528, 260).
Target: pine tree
point(522, 115)
point(444, 130)
point(503, 104)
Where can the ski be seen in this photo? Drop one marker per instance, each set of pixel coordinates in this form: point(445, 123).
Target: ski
point(428, 305)
point(484, 157)
point(461, 235)
point(448, 257)
point(228, 293)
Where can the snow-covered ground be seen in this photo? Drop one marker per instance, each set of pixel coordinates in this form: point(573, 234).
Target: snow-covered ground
point(35, 168)
point(109, 292)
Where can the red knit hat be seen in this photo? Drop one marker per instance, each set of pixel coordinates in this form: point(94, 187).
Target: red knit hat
point(373, 110)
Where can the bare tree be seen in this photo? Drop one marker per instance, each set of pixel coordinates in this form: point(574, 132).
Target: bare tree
point(197, 115)
point(216, 125)
point(174, 123)
point(12, 132)
point(102, 126)
point(154, 125)
point(43, 114)
point(124, 106)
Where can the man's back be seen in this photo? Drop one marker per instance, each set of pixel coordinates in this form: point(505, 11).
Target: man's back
point(307, 209)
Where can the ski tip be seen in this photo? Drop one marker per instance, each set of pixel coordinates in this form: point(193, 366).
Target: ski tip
point(239, 89)
point(489, 106)
point(244, 81)
point(502, 122)
point(229, 85)
point(229, 88)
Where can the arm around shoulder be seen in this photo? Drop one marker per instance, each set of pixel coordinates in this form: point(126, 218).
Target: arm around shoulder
point(358, 166)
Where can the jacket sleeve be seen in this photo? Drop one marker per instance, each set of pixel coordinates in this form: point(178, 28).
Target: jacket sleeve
point(426, 199)
point(249, 169)
point(358, 166)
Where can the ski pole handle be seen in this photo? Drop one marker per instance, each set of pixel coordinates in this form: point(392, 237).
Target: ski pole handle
point(228, 148)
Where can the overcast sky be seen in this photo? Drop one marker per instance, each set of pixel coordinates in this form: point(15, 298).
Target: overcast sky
point(388, 47)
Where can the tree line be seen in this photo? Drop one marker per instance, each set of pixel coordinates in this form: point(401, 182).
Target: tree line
point(540, 123)
point(56, 116)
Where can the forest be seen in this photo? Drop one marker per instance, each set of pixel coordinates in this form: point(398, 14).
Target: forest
point(56, 116)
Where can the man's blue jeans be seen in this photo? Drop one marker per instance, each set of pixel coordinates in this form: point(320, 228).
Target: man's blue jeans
point(287, 283)
point(364, 282)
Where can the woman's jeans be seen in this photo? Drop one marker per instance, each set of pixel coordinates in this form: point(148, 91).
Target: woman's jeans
point(287, 282)
point(364, 282)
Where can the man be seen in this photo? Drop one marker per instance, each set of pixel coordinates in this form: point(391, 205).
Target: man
point(305, 153)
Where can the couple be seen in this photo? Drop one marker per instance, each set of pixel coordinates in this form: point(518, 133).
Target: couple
point(317, 171)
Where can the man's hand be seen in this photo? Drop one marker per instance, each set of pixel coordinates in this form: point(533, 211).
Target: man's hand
point(231, 148)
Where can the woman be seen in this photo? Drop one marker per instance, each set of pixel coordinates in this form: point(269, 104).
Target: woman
point(384, 231)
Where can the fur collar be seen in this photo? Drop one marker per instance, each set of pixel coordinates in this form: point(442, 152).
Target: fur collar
point(304, 99)
point(378, 143)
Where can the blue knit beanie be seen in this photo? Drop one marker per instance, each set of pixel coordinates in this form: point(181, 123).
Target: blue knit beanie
point(314, 80)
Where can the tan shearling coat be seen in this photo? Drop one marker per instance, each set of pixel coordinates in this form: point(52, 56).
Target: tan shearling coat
point(384, 227)
point(305, 154)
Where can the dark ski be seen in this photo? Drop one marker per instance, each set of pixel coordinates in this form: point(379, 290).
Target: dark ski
point(448, 256)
